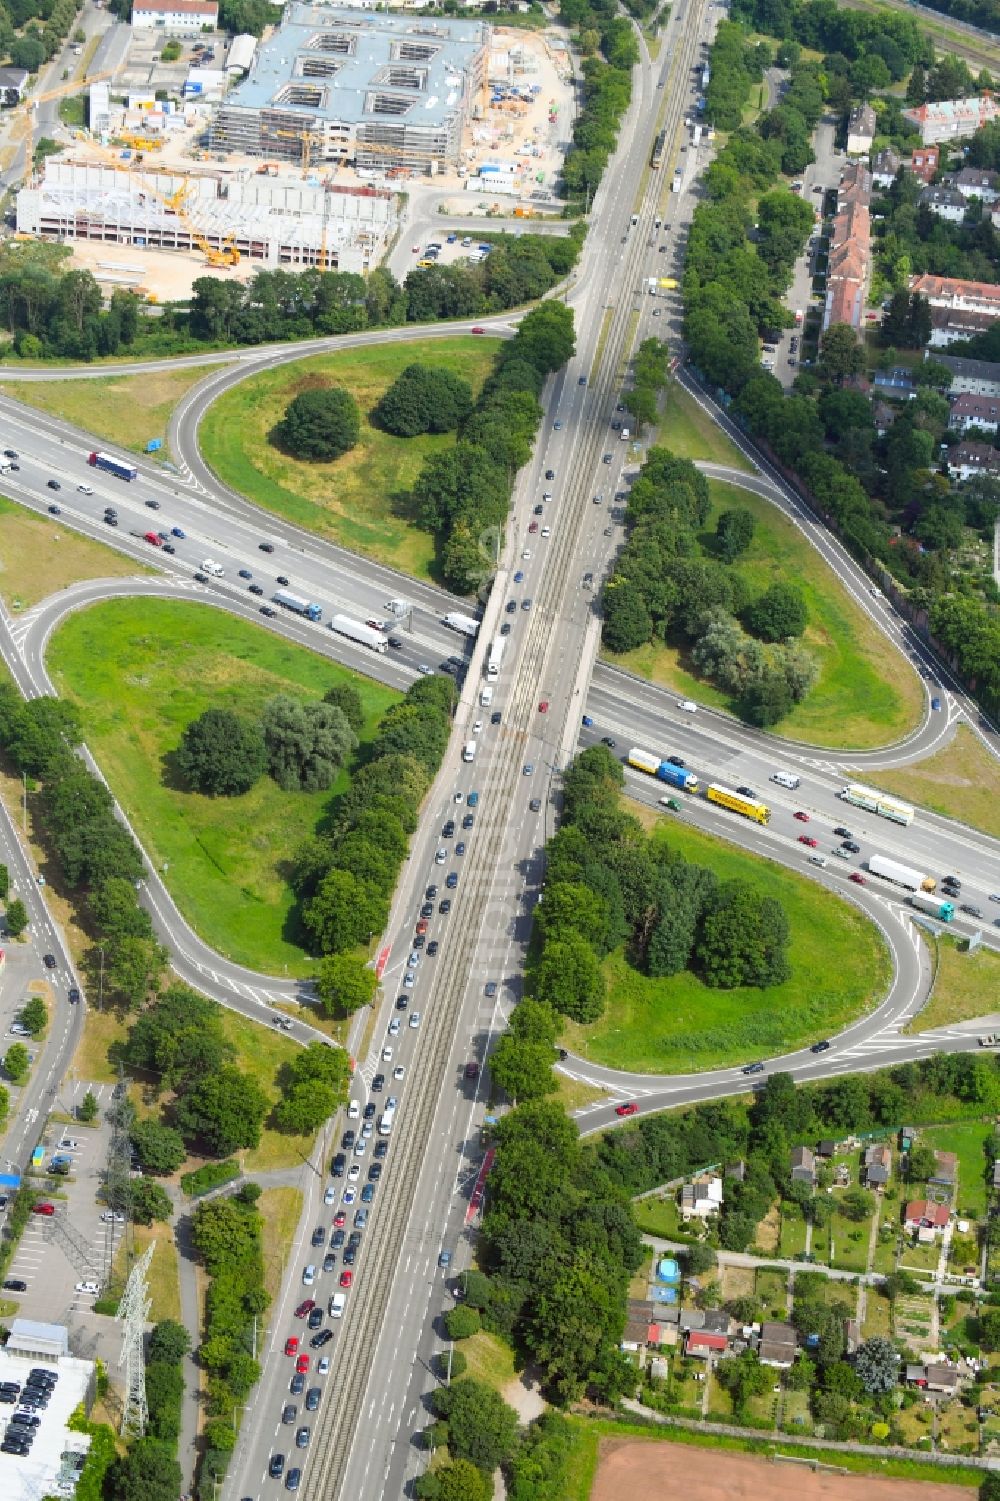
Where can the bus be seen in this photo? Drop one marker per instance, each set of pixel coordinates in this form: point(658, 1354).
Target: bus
point(881, 803)
point(748, 806)
point(659, 146)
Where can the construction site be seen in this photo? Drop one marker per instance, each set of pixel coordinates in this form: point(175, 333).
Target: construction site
point(346, 124)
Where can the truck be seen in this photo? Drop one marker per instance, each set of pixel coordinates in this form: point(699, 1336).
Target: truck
point(651, 284)
point(466, 625)
point(675, 186)
point(118, 467)
point(874, 801)
point(933, 905)
point(387, 1117)
point(495, 657)
point(664, 771)
point(900, 875)
point(297, 604)
point(362, 634)
point(725, 797)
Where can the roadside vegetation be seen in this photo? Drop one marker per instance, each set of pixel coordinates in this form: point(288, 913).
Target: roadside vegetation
point(125, 410)
point(958, 781)
point(966, 986)
point(39, 557)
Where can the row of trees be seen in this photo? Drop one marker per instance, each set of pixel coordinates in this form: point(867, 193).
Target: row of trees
point(669, 584)
point(303, 744)
point(650, 373)
point(607, 90)
point(462, 494)
point(736, 66)
point(46, 25)
point(98, 858)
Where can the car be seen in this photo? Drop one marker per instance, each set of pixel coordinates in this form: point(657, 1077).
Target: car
point(629, 1108)
point(609, 741)
point(752, 1068)
point(535, 805)
point(318, 1235)
point(425, 670)
point(935, 703)
point(460, 847)
point(54, 484)
point(841, 853)
point(444, 906)
point(448, 829)
point(550, 474)
point(354, 1171)
point(399, 1072)
point(746, 792)
point(440, 856)
point(526, 554)
point(519, 576)
point(842, 832)
point(543, 707)
point(511, 606)
point(451, 883)
point(809, 840)
point(533, 527)
point(607, 458)
point(154, 505)
point(432, 949)
point(302, 1364)
point(276, 1466)
point(347, 1140)
point(309, 1304)
point(476, 328)
point(55, 510)
point(289, 1412)
point(339, 1220)
point(313, 1396)
point(505, 628)
point(414, 1020)
point(413, 958)
point(350, 1194)
point(338, 1165)
point(315, 1318)
point(472, 1070)
point(369, 1111)
point(671, 803)
point(329, 1262)
point(528, 768)
point(346, 1278)
point(951, 881)
point(427, 910)
point(292, 1344)
point(851, 847)
point(282, 580)
point(409, 979)
point(338, 1237)
point(857, 878)
point(677, 761)
point(802, 817)
point(269, 611)
point(820, 1047)
point(557, 425)
point(491, 988)
point(368, 1192)
point(970, 910)
point(49, 1210)
point(995, 896)
point(15, 1285)
point(323, 1369)
point(49, 960)
point(293, 1479)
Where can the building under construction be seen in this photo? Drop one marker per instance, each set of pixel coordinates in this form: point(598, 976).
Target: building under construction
point(368, 88)
point(279, 222)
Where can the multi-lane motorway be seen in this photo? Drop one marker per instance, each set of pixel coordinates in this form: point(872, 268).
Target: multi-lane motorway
point(361, 1442)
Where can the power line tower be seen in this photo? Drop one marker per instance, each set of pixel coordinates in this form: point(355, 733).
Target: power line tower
point(133, 1312)
point(119, 1231)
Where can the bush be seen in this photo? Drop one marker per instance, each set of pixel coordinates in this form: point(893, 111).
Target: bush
point(462, 1322)
point(424, 400)
point(211, 1175)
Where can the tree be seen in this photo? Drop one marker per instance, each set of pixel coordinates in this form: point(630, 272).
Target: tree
point(307, 743)
point(148, 1472)
point(346, 698)
point(841, 353)
point(41, 734)
point(920, 1162)
point(481, 1426)
point(34, 1015)
point(16, 1062)
point(344, 984)
point(224, 1111)
point(857, 1204)
point(462, 1322)
point(321, 424)
point(16, 918)
point(627, 620)
point(989, 1488)
point(699, 1258)
point(88, 1107)
point(743, 939)
point(877, 1363)
point(132, 969)
point(150, 1201)
point(160, 1149)
point(305, 1107)
point(178, 1040)
point(4, 883)
point(459, 1481)
point(221, 754)
point(169, 1342)
point(116, 912)
point(570, 978)
point(734, 532)
point(424, 399)
point(345, 911)
point(743, 1377)
point(778, 613)
point(522, 1069)
point(225, 1232)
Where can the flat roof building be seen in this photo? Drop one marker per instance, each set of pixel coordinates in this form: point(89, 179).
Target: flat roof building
point(371, 88)
point(58, 1453)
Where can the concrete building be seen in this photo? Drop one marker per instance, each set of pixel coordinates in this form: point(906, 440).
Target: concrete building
point(944, 202)
point(861, 126)
point(967, 459)
point(13, 82)
point(885, 165)
point(702, 1198)
point(239, 58)
point(933, 1378)
point(970, 377)
point(878, 1166)
point(276, 221)
point(178, 17)
point(778, 1345)
point(849, 262)
point(958, 296)
point(952, 119)
point(375, 89)
point(58, 1454)
point(973, 182)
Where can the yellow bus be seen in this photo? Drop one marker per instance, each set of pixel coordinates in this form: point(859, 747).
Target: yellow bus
point(748, 806)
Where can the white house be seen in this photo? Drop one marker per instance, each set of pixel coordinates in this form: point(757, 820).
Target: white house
point(861, 127)
point(946, 203)
point(703, 1197)
point(967, 459)
point(182, 17)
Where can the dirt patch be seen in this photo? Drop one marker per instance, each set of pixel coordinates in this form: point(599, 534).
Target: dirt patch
point(640, 1470)
point(524, 1396)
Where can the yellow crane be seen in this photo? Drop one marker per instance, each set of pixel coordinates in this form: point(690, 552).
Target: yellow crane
point(24, 123)
point(225, 254)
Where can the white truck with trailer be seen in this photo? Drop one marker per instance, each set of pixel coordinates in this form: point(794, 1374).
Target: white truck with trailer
point(466, 625)
point(900, 875)
point(362, 634)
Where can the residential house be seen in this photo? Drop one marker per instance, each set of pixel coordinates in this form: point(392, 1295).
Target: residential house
point(13, 82)
point(737, 1171)
point(179, 17)
point(885, 166)
point(855, 185)
point(803, 1166)
point(703, 1197)
point(949, 326)
point(957, 295)
point(944, 202)
point(981, 412)
point(952, 119)
point(878, 1166)
point(925, 1218)
point(907, 1136)
point(828, 1147)
point(849, 258)
point(933, 1378)
point(778, 1345)
point(861, 126)
point(714, 1320)
point(967, 459)
point(970, 377)
point(924, 163)
point(852, 1335)
point(974, 182)
point(945, 1174)
point(883, 415)
point(703, 1345)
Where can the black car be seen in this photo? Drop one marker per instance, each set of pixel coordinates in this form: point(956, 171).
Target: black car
point(432, 949)
point(505, 628)
point(277, 1466)
point(339, 1165)
point(820, 1047)
point(337, 1239)
point(329, 1262)
point(269, 611)
point(677, 761)
point(10, 1446)
point(49, 960)
point(842, 833)
point(154, 505)
point(396, 643)
point(746, 792)
point(369, 1111)
point(535, 805)
point(550, 474)
point(313, 1396)
point(319, 1235)
point(350, 1255)
point(244, 573)
point(431, 892)
point(375, 1172)
point(970, 910)
point(347, 1140)
point(495, 717)
point(427, 910)
point(511, 606)
point(113, 521)
point(381, 1151)
point(282, 581)
point(315, 1318)
point(402, 1001)
point(850, 846)
point(444, 907)
point(54, 484)
point(15, 1285)
point(255, 589)
point(199, 578)
point(169, 547)
point(753, 1068)
point(354, 1240)
point(297, 1384)
point(539, 510)
point(452, 880)
point(265, 547)
point(378, 1083)
point(289, 1412)
point(292, 1479)
point(55, 510)
point(953, 882)
point(468, 821)
point(322, 1338)
point(448, 829)
point(609, 741)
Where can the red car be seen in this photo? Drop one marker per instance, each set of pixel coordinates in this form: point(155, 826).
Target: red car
point(857, 878)
point(340, 1219)
point(346, 1277)
point(302, 1364)
point(291, 1344)
point(152, 539)
point(802, 817)
point(533, 527)
point(543, 707)
point(43, 1209)
point(630, 1108)
point(422, 925)
point(478, 330)
point(808, 839)
point(304, 1308)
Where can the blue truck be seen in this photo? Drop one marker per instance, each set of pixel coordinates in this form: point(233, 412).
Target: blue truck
point(664, 771)
point(297, 605)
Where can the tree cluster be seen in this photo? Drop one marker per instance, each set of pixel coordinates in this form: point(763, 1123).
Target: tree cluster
point(37, 43)
point(424, 399)
point(607, 89)
point(314, 1085)
point(650, 373)
point(736, 66)
point(97, 855)
point(304, 745)
point(167, 1345)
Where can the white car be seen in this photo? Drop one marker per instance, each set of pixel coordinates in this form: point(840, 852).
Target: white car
point(414, 959)
point(330, 1197)
point(360, 1147)
point(409, 978)
point(546, 531)
point(398, 1072)
point(69, 1144)
point(111, 1216)
point(354, 1172)
point(350, 1194)
point(441, 855)
point(394, 1027)
point(85, 489)
point(526, 553)
point(687, 706)
point(387, 1055)
point(88, 1287)
point(477, 727)
point(353, 1110)
point(323, 1369)
point(414, 1020)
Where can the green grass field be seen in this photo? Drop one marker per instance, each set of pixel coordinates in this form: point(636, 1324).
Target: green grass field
point(840, 969)
point(966, 986)
point(864, 696)
point(358, 500)
point(39, 556)
point(125, 410)
point(690, 432)
point(141, 671)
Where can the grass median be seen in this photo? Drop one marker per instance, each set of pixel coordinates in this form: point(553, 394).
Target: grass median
point(358, 500)
point(959, 782)
point(141, 671)
point(39, 556)
point(866, 695)
point(840, 969)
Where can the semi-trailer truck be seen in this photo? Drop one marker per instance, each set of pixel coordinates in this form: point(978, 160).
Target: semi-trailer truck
point(900, 875)
point(297, 604)
point(874, 801)
point(944, 911)
point(466, 625)
point(117, 467)
point(664, 771)
point(362, 634)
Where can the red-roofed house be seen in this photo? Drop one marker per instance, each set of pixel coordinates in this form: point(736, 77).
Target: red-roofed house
point(705, 1345)
point(924, 162)
point(925, 1218)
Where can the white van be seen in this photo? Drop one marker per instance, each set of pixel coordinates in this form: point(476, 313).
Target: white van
point(211, 567)
point(687, 706)
point(486, 698)
point(786, 779)
point(625, 434)
point(337, 1304)
point(469, 751)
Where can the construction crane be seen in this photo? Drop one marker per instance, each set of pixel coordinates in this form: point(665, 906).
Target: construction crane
point(24, 122)
point(225, 254)
point(307, 140)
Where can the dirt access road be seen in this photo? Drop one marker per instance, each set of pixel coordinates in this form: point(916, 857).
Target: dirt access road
point(640, 1470)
